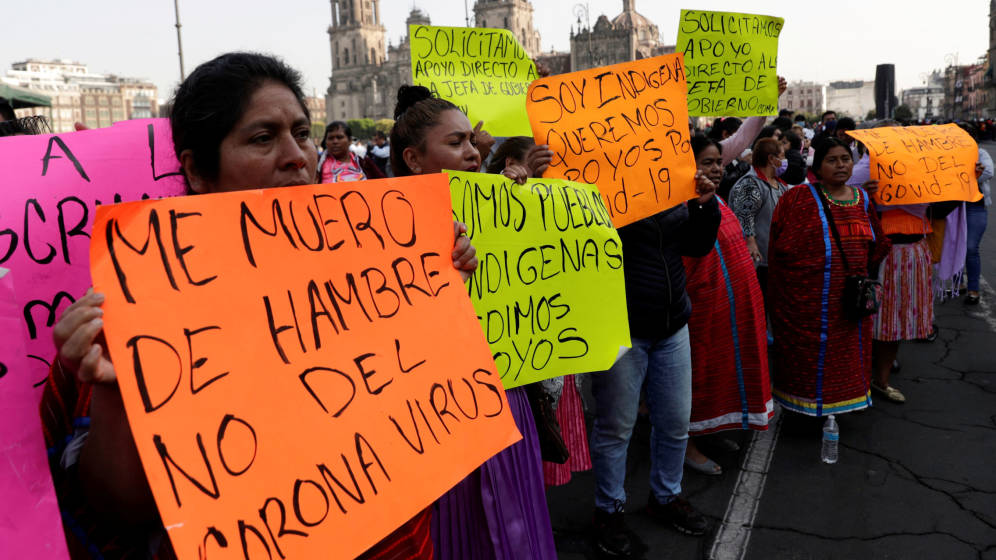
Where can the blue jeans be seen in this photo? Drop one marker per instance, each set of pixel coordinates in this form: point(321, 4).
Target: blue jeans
point(976, 216)
point(663, 368)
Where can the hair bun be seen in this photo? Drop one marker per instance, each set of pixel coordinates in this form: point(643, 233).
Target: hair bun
point(408, 96)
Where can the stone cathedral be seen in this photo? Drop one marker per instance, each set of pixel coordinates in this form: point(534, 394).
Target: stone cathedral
point(367, 71)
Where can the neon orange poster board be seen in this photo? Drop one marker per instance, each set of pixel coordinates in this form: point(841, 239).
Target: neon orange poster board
point(921, 164)
point(301, 367)
point(623, 128)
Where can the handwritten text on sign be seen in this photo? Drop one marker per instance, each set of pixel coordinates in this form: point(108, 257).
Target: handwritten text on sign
point(731, 62)
point(549, 288)
point(921, 164)
point(301, 369)
point(623, 128)
point(483, 71)
point(50, 186)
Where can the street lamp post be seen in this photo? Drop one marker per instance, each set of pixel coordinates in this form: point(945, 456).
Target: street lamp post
point(583, 10)
point(179, 44)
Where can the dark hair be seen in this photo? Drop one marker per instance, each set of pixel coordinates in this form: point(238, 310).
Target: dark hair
point(795, 143)
point(971, 129)
point(416, 111)
point(785, 113)
point(35, 124)
point(763, 149)
point(825, 113)
point(782, 123)
point(766, 132)
point(7, 111)
point(800, 118)
point(822, 148)
point(334, 125)
point(724, 124)
point(700, 142)
point(845, 123)
point(514, 147)
point(213, 98)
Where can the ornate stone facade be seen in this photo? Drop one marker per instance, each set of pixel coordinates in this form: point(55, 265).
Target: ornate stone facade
point(366, 75)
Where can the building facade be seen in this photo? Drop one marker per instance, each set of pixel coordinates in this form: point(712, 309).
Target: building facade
point(927, 102)
point(80, 96)
point(853, 99)
point(366, 74)
point(804, 97)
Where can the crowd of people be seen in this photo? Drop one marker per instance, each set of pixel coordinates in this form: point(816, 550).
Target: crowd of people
point(781, 251)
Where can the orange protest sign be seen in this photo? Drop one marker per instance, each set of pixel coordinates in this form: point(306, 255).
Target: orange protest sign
point(921, 164)
point(623, 128)
point(301, 367)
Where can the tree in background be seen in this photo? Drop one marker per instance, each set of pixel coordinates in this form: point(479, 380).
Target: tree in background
point(384, 125)
point(362, 128)
point(903, 114)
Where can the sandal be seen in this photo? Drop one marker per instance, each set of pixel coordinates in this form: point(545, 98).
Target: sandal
point(710, 467)
point(890, 393)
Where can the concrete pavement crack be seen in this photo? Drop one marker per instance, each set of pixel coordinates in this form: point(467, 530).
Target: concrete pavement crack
point(976, 547)
point(904, 418)
point(899, 468)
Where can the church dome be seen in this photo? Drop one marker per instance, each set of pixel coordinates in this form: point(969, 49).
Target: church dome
point(630, 18)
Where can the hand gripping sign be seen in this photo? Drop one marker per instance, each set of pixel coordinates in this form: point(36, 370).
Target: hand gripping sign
point(623, 128)
point(301, 368)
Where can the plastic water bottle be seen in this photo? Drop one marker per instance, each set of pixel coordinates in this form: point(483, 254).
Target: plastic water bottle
point(831, 433)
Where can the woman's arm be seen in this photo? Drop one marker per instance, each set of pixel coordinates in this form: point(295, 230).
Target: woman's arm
point(741, 139)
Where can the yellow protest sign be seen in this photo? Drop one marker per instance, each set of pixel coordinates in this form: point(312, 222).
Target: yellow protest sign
point(731, 62)
point(301, 368)
point(484, 72)
point(623, 128)
point(548, 288)
point(921, 164)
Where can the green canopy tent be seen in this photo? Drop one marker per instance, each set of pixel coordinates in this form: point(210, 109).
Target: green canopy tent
point(22, 98)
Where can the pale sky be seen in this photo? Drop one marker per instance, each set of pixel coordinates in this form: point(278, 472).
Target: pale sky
point(821, 41)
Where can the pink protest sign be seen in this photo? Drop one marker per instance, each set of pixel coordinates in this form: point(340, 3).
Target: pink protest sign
point(50, 186)
point(29, 519)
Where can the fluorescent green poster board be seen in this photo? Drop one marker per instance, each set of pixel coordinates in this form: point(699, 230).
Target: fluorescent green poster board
point(485, 72)
point(548, 288)
point(731, 63)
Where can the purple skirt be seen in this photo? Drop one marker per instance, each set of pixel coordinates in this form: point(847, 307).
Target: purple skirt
point(499, 511)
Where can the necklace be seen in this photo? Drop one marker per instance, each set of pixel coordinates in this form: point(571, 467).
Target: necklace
point(843, 203)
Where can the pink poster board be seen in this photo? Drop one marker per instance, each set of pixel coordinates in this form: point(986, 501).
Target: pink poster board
point(50, 186)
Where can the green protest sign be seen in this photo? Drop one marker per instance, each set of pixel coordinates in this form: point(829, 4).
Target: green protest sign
point(730, 62)
point(484, 72)
point(548, 289)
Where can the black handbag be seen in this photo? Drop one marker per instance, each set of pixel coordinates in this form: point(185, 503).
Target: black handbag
point(862, 295)
point(551, 442)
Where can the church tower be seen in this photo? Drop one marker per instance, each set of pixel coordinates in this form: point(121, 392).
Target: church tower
point(356, 34)
point(514, 15)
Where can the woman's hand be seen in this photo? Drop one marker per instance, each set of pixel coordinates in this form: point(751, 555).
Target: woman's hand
point(871, 186)
point(979, 169)
point(516, 172)
point(755, 252)
point(464, 255)
point(705, 188)
point(782, 86)
point(538, 158)
point(483, 140)
point(76, 334)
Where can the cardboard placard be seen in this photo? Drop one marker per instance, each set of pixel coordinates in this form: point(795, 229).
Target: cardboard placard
point(301, 368)
point(623, 128)
point(484, 72)
point(548, 289)
point(731, 62)
point(921, 164)
point(52, 185)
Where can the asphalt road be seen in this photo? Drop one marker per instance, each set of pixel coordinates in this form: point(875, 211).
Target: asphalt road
point(916, 480)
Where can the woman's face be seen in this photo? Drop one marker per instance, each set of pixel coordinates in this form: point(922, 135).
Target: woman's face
point(450, 144)
point(784, 142)
point(337, 143)
point(710, 163)
point(836, 167)
point(268, 146)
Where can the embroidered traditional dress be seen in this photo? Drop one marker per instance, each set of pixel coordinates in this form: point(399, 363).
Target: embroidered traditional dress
point(822, 360)
point(730, 385)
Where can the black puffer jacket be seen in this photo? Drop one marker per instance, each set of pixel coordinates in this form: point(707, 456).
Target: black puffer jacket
point(655, 276)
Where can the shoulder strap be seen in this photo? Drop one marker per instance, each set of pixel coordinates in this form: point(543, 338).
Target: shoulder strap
point(864, 194)
point(821, 199)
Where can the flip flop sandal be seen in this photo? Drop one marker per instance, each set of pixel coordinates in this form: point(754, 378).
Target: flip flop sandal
point(890, 393)
point(710, 467)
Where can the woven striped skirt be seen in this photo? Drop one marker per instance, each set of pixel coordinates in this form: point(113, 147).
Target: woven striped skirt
point(907, 311)
point(570, 416)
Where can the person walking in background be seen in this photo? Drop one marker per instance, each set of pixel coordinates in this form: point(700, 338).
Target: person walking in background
point(338, 162)
point(977, 214)
point(380, 152)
